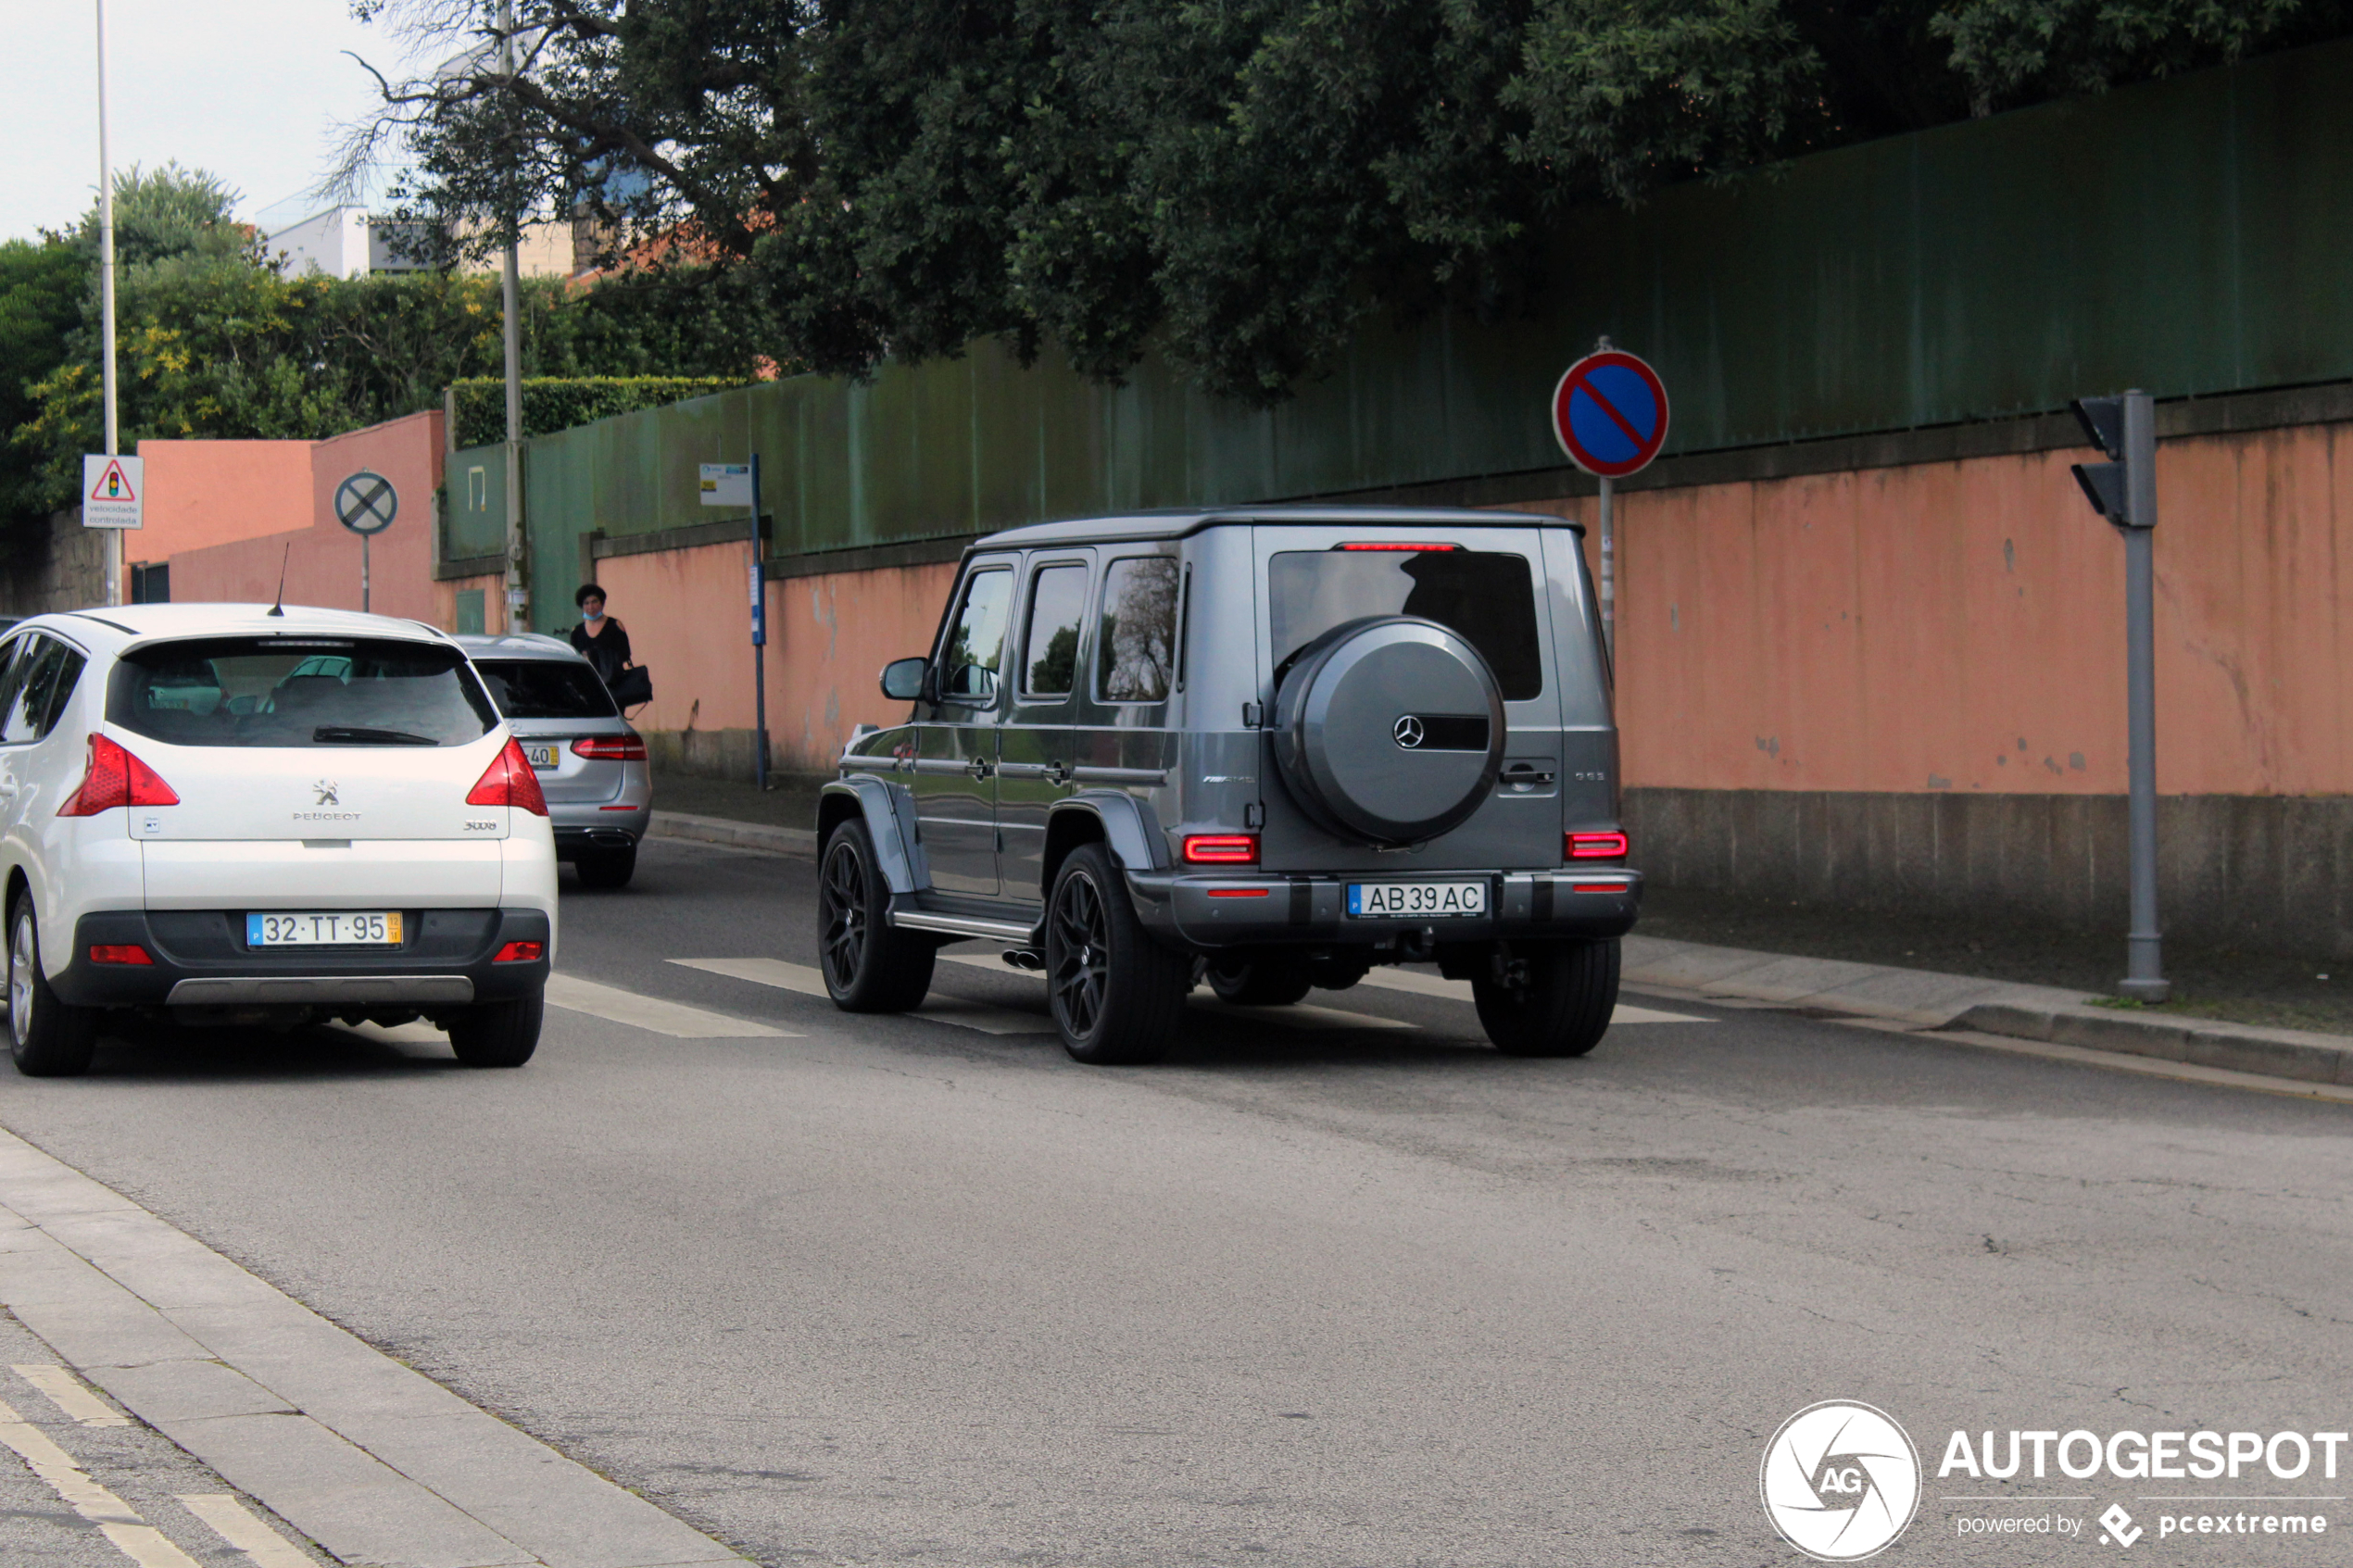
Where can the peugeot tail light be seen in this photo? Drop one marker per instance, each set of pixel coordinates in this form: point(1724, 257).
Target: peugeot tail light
point(115, 778)
point(509, 781)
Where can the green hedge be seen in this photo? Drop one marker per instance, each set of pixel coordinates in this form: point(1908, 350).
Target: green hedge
point(554, 403)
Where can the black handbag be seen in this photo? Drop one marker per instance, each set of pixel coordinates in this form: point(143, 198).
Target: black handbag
point(633, 686)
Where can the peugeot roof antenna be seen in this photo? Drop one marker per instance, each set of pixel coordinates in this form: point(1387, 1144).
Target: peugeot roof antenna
point(279, 608)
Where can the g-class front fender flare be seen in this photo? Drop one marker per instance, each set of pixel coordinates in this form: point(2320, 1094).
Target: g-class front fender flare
point(888, 818)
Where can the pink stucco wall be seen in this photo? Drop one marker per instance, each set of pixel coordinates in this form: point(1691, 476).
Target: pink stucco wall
point(205, 492)
point(322, 558)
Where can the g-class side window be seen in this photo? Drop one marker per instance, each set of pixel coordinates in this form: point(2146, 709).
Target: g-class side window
point(1136, 653)
point(977, 647)
point(1488, 596)
point(1049, 651)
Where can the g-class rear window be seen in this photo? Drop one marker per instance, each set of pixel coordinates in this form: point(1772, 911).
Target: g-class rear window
point(1486, 596)
point(298, 692)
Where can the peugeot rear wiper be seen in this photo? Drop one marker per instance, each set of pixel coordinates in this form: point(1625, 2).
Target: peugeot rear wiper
point(354, 734)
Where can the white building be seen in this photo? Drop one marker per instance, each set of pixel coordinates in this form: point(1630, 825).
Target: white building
point(344, 241)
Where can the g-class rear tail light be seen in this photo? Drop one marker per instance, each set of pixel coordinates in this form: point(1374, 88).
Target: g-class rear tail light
point(1597, 846)
point(1221, 849)
point(609, 748)
point(1387, 544)
point(115, 778)
point(509, 781)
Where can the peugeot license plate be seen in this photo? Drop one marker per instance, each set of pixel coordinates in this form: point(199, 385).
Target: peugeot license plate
point(1413, 900)
point(340, 928)
point(543, 757)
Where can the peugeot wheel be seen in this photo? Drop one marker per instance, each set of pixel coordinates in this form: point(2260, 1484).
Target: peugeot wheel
point(47, 1038)
point(1549, 999)
point(499, 1033)
point(869, 964)
point(1117, 996)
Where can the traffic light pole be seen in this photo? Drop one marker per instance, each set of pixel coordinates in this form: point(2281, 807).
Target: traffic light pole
point(2145, 959)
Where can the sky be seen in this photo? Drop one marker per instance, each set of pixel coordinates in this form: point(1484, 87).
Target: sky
point(250, 90)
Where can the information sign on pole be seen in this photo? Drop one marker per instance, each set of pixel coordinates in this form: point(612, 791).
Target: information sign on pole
point(1609, 414)
point(726, 485)
point(366, 504)
point(112, 489)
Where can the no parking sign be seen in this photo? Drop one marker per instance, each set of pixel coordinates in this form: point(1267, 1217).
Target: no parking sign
point(1609, 414)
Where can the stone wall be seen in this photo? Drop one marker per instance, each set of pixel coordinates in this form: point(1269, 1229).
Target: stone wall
point(63, 567)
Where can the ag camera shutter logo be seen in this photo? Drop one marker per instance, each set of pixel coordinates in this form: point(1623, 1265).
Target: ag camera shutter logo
point(1841, 1481)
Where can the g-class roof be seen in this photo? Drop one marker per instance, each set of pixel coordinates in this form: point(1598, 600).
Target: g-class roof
point(1176, 524)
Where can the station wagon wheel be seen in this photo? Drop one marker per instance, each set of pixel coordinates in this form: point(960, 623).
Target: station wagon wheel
point(869, 965)
point(46, 1037)
point(1117, 996)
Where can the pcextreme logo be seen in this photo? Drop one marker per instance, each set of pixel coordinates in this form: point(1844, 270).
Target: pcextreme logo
point(1841, 1481)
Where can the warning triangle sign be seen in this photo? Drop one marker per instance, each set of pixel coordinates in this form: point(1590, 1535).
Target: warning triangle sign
point(113, 484)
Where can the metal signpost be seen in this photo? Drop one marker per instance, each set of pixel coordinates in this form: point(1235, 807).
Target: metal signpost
point(366, 504)
point(2124, 490)
point(1609, 414)
point(737, 484)
point(105, 332)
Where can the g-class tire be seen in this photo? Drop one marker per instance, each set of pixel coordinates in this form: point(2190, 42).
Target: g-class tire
point(1117, 996)
point(1259, 982)
point(499, 1033)
point(869, 964)
point(47, 1038)
point(1563, 1010)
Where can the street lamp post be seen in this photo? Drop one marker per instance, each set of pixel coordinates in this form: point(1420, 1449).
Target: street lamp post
point(106, 302)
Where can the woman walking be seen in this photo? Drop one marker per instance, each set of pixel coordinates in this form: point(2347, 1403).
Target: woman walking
point(600, 638)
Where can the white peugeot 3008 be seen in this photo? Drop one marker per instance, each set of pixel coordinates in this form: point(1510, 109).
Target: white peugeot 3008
point(230, 815)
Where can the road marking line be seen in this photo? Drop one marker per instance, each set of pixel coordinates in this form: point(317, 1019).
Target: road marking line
point(2147, 1066)
point(67, 1393)
point(116, 1518)
point(807, 982)
point(674, 1019)
point(235, 1523)
point(1296, 1015)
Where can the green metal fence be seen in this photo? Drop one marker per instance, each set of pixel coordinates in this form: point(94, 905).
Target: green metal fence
point(2186, 236)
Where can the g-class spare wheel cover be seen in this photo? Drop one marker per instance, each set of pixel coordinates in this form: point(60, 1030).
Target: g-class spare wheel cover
point(1389, 729)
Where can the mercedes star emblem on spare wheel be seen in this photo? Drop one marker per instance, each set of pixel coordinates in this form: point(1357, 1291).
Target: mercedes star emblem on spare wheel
point(1406, 732)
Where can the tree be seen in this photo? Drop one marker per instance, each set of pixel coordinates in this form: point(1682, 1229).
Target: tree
point(1238, 183)
point(41, 287)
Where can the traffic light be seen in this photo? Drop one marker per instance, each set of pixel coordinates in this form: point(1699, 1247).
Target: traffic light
point(2110, 486)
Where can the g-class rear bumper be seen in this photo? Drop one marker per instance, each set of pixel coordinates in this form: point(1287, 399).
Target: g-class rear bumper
point(1259, 909)
point(198, 958)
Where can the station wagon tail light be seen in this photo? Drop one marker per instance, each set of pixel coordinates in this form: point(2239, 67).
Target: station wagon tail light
point(120, 952)
point(509, 781)
point(116, 778)
point(1221, 849)
point(522, 952)
point(1597, 846)
point(1390, 545)
point(609, 748)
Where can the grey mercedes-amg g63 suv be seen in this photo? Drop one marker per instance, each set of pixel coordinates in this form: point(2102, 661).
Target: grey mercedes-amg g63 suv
point(1267, 748)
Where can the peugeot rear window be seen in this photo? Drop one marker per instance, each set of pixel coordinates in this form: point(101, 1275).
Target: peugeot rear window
point(299, 692)
point(1487, 596)
point(546, 688)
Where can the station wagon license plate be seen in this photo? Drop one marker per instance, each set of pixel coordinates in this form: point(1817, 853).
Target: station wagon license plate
point(1407, 901)
point(543, 757)
point(340, 928)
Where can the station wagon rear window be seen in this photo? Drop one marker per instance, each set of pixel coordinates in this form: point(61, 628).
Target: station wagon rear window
point(546, 688)
point(1487, 596)
point(306, 692)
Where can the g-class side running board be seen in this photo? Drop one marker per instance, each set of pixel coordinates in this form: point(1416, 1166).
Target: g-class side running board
point(962, 925)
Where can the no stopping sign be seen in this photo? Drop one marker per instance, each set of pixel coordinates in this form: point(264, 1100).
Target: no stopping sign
point(1609, 414)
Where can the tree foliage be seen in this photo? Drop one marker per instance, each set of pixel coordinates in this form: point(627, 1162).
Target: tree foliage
point(1238, 183)
point(214, 341)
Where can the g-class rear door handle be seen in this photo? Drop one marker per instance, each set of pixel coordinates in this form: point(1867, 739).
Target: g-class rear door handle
point(980, 766)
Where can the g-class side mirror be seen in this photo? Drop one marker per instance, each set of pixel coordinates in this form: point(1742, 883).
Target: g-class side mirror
point(902, 679)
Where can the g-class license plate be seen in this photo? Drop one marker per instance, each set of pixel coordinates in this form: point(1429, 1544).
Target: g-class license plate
point(543, 757)
point(1392, 900)
point(340, 928)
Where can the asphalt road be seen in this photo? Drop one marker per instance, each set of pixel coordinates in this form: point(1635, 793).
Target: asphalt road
point(899, 1290)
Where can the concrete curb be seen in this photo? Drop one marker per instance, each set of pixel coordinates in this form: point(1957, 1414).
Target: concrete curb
point(375, 1461)
point(739, 835)
point(1926, 999)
